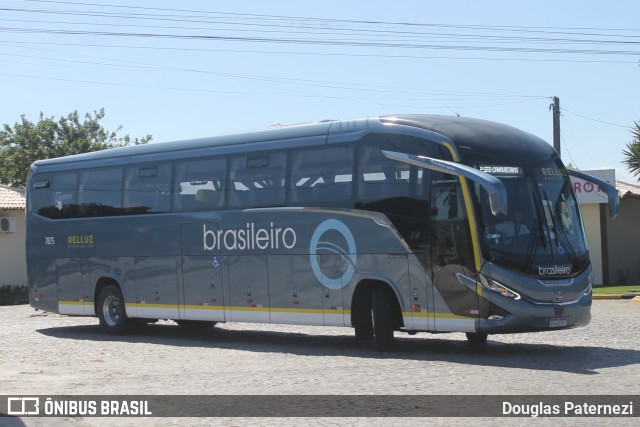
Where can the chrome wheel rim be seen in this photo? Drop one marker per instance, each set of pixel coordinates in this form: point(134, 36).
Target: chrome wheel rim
point(111, 310)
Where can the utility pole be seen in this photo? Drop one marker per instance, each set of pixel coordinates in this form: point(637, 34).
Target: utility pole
point(555, 106)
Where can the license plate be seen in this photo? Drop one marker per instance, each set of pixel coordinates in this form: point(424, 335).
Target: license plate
point(557, 322)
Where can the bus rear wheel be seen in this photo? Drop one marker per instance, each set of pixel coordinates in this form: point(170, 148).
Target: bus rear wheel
point(362, 320)
point(477, 339)
point(382, 317)
point(111, 311)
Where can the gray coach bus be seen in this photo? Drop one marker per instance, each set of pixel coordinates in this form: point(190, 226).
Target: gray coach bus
point(397, 223)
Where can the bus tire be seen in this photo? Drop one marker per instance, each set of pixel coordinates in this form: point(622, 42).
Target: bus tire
point(477, 339)
point(111, 311)
point(195, 325)
point(382, 319)
point(364, 330)
point(362, 321)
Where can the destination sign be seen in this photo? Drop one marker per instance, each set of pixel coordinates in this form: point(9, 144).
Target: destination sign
point(504, 171)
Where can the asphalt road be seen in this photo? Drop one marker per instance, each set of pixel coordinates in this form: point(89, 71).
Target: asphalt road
point(49, 354)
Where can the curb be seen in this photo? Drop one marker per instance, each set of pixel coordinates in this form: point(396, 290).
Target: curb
point(616, 296)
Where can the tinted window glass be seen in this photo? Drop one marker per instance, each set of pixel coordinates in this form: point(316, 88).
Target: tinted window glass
point(200, 184)
point(396, 189)
point(257, 180)
point(55, 196)
point(147, 189)
point(101, 192)
point(321, 175)
point(382, 178)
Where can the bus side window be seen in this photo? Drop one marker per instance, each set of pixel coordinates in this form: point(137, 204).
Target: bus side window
point(199, 184)
point(257, 181)
point(147, 189)
point(101, 192)
point(58, 198)
point(381, 178)
point(321, 175)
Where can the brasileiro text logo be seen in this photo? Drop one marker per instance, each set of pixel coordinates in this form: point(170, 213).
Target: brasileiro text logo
point(554, 270)
point(250, 237)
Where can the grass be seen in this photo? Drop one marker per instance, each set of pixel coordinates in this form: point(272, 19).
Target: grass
point(616, 289)
point(13, 298)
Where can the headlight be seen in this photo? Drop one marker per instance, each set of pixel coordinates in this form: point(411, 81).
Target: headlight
point(494, 286)
point(590, 287)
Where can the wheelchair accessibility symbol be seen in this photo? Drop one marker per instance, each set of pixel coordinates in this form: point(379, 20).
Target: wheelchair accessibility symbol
point(217, 262)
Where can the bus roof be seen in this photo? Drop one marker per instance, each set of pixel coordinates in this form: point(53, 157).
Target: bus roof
point(264, 135)
point(464, 132)
point(478, 135)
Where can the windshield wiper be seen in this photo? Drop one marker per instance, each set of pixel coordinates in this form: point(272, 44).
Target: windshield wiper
point(533, 243)
point(565, 241)
point(549, 211)
point(558, 231)
point(540, 227)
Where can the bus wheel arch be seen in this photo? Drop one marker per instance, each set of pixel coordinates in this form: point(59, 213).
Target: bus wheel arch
point(376, 299)
point(110, 307)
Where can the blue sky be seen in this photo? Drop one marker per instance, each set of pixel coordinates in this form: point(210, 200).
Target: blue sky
point(181, 70)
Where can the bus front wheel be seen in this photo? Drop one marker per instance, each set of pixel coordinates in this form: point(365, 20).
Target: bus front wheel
point(111, 311)
point(477, 339)
point(382, 317)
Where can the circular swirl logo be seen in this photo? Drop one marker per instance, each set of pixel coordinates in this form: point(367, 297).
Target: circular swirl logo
point(333, 237)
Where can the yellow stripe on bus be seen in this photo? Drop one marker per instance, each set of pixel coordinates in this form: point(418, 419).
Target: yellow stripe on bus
point(236, 308)
point(473, 228)
point(426, 314)
point(201, 307)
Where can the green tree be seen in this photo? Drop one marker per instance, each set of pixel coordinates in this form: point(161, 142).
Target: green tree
point(632, 153)
point(27, 142)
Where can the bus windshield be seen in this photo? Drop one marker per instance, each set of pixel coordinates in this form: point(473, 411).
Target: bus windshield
point(542, 233)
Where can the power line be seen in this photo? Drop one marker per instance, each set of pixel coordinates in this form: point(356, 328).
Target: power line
point(308, 53)
point(566, 146)
point(567, 124)
point(368, 38)
point(111, 62)
point(319, 26)
point(596, 120)
point(339, 30)
point(317, 42)
point(549, 30)
point(338, 97)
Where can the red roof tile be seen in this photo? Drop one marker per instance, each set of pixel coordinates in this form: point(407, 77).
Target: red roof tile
point(11, 198)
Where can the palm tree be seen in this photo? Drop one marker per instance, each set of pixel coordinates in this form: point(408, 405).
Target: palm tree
point(632, 153)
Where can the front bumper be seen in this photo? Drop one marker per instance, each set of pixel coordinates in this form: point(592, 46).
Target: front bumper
point(525, 316)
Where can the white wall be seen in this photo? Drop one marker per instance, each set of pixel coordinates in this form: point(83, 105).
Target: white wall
point(624, 243)
point(13, 263)
point(591, 218)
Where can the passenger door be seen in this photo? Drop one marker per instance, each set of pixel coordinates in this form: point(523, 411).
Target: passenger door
point(451, 255)
point(202, 273)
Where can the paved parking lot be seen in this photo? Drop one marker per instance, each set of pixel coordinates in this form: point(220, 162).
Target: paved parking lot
point(49, 354)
